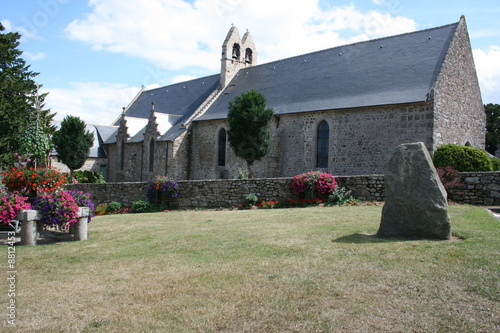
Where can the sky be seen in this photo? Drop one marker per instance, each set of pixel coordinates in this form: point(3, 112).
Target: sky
point(93, 56)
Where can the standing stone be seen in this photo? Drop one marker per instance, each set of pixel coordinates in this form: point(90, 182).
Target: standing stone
point(415, 200)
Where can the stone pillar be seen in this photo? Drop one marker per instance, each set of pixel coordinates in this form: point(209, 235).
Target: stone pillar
point(29, 232)
point(415, 200)
point(79, 229)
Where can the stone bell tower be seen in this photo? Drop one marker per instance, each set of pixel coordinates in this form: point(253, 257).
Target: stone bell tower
point(236, 54)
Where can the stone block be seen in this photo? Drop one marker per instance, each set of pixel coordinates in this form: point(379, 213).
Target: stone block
point(415, 203)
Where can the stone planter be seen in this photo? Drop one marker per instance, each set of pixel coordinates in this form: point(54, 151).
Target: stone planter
point(31, 226)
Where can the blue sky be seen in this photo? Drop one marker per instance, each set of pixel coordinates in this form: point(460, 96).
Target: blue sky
point(94, 55)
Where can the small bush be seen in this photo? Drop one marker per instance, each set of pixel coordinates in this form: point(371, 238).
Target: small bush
point(84, 176)
point(462, 158)
point(142, 206)
point(313, 185)
point(451, 180)
point(113, 206)
point(251, 199)
point(242, 175)
point(101, 209)
point(340, 196)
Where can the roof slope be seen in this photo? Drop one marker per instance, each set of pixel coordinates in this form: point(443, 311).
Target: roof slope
point(391, 70)
point(178, 99)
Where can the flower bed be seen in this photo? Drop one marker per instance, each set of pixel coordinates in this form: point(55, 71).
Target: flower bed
point(10, 206)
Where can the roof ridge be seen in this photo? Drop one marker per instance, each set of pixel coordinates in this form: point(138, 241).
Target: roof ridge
point(352, 44)
point(180, 83)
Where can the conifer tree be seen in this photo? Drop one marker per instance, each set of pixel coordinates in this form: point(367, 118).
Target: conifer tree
point(17, 97)
point(73, 142)
point(249, 127)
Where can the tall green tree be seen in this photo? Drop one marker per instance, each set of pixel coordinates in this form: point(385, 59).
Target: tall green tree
point(249, 127)
point(35, 143)
point(73, 142)
point(492, 127)
point(17, 97)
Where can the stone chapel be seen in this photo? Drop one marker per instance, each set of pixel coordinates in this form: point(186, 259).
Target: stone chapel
point(342, 110)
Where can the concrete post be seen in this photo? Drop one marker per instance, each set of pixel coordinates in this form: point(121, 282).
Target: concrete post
point(79, 229)
point(29, 232)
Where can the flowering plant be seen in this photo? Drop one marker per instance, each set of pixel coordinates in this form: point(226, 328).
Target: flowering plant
point(30, 181)
point(58, 209)
point(314, 184)
point(84, 199)
point(160, 189)
point(11, 205)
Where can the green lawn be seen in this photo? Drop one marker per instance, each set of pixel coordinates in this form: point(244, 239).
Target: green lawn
point(285, 270)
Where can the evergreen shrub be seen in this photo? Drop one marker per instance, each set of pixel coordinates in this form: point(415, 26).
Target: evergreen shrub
point(462, 158)
point(340, 196)
point(251, 200)
point(142, 206)
point(113, 206)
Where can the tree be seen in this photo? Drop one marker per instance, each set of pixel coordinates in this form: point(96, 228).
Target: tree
point(249, 127)
point(492, 127)
point(73, 142)
point(35, 143)
point(17, 97)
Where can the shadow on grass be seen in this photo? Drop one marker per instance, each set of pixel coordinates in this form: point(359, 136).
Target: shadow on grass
point(373, 238)
point(361, 238)
point(45, 237)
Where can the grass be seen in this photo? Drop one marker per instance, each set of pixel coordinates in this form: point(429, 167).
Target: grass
point(282, 270)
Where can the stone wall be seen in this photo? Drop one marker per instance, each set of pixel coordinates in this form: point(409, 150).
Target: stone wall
point(480, 188)
point(459, 116)
point(226, 192)
point(362, 140)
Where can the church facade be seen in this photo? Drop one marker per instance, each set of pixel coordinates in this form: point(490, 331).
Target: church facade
point(343, 110)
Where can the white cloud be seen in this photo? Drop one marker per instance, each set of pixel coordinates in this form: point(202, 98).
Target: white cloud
point(182, 78)
point(488, 72)
point(94, 102)
point(175, 34)
point(34, 56)
point(25, 33)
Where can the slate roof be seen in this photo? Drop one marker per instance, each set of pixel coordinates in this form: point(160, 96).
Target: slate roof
point(101, 133)
point(392, 70)
point(178, 100)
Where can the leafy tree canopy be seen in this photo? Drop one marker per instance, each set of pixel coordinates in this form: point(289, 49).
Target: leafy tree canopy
point(249, 127)
point(492, 127)
point(18, 91)
point(73, 142)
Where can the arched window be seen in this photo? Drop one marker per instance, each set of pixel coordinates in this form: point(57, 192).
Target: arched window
point(122, 155)
point(236, 51)
point(151, 154)
point(248, 56)
point(222, 148)
point(323, 139)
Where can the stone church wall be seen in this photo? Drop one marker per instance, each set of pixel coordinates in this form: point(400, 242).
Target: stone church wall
point(361, 142)
point(91, 164)
point(459, 111)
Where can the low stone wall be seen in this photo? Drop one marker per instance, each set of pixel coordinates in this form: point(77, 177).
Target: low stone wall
point(225, 192)
point(480, 188)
